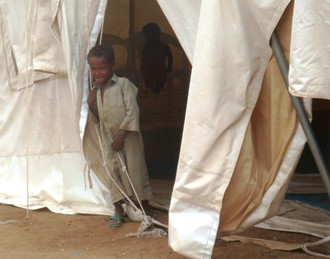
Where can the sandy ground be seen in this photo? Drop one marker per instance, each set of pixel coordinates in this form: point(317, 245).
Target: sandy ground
point(43, 234)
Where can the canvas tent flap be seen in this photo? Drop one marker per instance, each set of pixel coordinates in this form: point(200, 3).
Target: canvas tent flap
point(78, 18)
point(214, 133)
point(269, 153)
point(310, 50)
point(41, 149)
point(14, 20)
point(28, 28)
point(47, 50)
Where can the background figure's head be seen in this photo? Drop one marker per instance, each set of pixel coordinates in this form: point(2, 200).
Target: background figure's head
point(151, 32)
point(101, 59)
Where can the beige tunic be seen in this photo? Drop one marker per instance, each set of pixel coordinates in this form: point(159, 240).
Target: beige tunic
point(119, 111)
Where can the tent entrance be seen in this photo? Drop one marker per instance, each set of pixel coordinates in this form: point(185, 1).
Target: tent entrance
point(162, 116)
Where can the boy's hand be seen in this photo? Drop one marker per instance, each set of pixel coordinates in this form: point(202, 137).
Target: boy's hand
point(118, 142)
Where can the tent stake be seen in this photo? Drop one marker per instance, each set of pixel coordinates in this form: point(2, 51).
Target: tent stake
point(301, 113)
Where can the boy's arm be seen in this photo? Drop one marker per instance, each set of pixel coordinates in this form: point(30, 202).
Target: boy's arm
point(91, 101)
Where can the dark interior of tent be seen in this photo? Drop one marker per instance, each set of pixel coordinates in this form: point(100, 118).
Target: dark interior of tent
point(321, 128)
point(161, 116)
point(307, 165)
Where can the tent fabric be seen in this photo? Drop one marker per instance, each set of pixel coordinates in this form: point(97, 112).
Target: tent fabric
point(234, 153)
point(41, 95)
point(310, 50)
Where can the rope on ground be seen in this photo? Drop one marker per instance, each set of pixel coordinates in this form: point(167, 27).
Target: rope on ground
point(147, 229)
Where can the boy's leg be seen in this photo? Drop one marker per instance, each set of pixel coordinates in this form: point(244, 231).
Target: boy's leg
point(119, 210)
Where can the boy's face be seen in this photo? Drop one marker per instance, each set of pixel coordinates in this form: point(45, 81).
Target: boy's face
point(101, 70)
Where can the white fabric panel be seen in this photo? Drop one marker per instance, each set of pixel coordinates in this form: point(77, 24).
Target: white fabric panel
point(310, 50)
point(47, 50)
point(56, 181)
point(15, 14)
point(184, 22)
point(76, 21)
point(41, 148)
point(17, 24)
point(226, 78)
point(29, 29)
point(185, 236)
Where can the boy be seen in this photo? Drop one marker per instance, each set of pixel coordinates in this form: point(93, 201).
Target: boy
point(155, 53)
point(113, 102)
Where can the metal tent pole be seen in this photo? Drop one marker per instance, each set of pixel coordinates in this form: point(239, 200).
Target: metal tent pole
point(301, 113)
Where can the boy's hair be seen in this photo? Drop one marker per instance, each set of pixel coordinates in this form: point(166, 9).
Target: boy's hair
point(151, 29)
point(102, 51)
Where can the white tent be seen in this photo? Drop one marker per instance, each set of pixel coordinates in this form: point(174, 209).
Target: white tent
point(241, 137)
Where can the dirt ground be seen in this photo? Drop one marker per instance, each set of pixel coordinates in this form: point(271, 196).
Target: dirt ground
point(43, 234)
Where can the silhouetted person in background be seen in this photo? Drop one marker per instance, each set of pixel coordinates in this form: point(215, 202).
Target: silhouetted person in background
point(157, 58)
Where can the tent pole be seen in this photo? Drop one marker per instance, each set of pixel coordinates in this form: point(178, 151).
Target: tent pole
point(301, 113)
